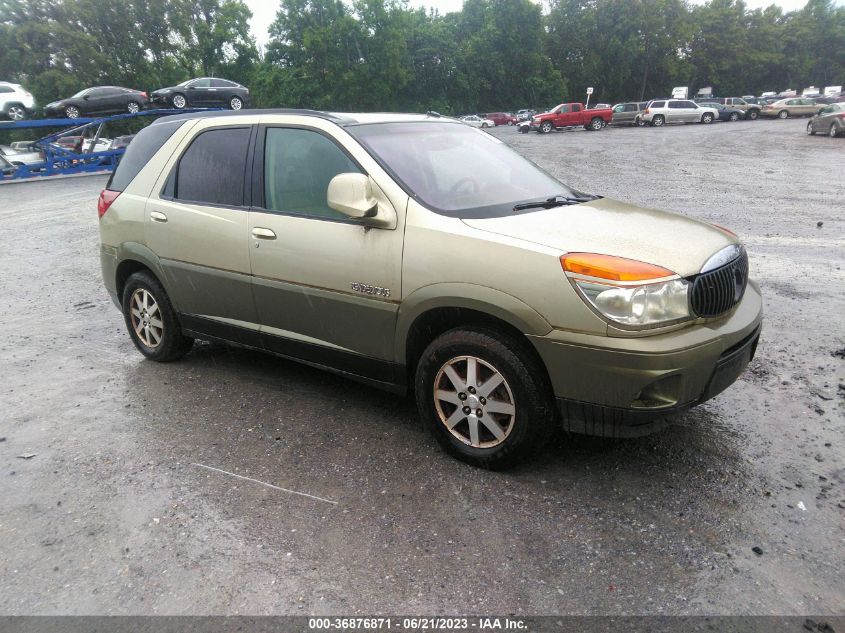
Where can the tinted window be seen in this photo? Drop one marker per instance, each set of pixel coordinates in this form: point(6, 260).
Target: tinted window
point(145, 144)
point(620, 108)
point(201, 83)
point(221, 83)
point(631, 107)
point(6, 89)
point(676, 104)
point(211, 170)
point(576, 107)
point(658, 104)
point(298, 166)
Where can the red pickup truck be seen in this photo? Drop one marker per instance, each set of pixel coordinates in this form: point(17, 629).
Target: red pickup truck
point(569, 115)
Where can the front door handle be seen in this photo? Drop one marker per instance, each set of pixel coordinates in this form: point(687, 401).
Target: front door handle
point(158, 216)
point(263, 234)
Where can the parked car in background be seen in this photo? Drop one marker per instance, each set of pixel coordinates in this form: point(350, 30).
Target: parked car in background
point(830, 121)
point(792, 106)
point(476, 121)
point(121, 142)
point(749, 110)
point(16, 103)
point(659, 112)
point(598, 106)
point(98, 100)
point(569, 115)
point(525, 114)
point(727, 113)
point(203, 92)
point(7, 168)
point(21, 158)
point(824, 100)
point(630, 113)
point(501, 118)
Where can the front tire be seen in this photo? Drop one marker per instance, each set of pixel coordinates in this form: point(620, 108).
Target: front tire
point(483, 125)
point(657, 121)
point(546, 127)
point(810, 130)
point(16, 113)
point(783, 114)
point(833, 132)
point(734, 116)
point(483, 395)
point(707, 118)
point(72, 112)
point(179, 101)
point(151, 320)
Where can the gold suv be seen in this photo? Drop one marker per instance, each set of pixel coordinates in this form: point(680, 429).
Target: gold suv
point(421, 255)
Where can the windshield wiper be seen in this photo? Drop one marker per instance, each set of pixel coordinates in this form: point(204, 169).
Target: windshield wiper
point(555, 201)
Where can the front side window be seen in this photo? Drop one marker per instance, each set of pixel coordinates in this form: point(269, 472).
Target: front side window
point(457, 170)
point(676, 105)
point(211, 171)
point(564, 109)
point(658, 104)
point(298, 166)
point(201, 83)
point(576, 107)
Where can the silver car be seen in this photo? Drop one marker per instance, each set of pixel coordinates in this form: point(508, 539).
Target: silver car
point(830, 121)
point(477, 121)
point(660, 111)
point(20, 158)
point(628, 113)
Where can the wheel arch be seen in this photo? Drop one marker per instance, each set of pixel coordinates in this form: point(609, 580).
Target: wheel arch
point(424, 317)
point(132, 258)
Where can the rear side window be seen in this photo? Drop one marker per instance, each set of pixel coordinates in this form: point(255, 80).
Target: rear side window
point(576, 107)
point(211, 171)
point(6, 89)
point(144, 146)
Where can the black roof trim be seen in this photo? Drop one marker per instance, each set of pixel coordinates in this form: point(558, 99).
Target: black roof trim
point(236, 113)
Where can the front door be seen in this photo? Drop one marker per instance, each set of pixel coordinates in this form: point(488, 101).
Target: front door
point(326, 288)
point(197, 223)
point(199, 92)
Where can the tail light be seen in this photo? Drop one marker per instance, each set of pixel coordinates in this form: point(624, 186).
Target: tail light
point(647, 111)
point(107, 197)
point(144, 94)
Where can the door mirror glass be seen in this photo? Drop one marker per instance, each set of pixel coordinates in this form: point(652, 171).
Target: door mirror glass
point(352, 195)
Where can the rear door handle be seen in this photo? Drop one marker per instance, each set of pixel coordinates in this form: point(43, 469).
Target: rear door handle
point(263, 234)
point(158, 216)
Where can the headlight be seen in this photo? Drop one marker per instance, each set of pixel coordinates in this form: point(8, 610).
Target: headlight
point(631, 293)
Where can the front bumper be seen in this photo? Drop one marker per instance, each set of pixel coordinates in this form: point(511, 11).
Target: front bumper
point(622, 387)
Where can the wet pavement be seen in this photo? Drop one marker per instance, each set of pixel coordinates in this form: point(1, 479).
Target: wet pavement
point(120, 510)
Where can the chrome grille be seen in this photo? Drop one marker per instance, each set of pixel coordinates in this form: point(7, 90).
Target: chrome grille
point(717, 291)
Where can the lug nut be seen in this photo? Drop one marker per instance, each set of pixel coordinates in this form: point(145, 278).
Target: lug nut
point(467, 410)
point(483, 400)
point(462, 396)
point(471, 389)
point(479, 412)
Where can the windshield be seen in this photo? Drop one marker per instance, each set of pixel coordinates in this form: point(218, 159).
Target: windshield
point(80, 94)
point(185, 83)
point(457, 170)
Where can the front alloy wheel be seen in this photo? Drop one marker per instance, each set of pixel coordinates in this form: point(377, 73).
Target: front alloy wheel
point(179, 101)
point(707, 118)
point(810, 130)
point(72, 112)
point(734, 116)
point(484, 395)
point(546, 127)
point(833, 132)
point(16, 113)
point(657, 121)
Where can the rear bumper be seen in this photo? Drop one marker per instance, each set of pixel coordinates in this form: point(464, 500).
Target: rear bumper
point(622, 387)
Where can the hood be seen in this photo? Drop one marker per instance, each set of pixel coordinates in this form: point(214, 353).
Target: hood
point(610, 227)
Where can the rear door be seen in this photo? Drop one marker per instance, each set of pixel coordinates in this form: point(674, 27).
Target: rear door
point(197, 223)
point(326, 288)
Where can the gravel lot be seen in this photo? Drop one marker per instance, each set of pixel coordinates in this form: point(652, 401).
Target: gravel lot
point(112, 514)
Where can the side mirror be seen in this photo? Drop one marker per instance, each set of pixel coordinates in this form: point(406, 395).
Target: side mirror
point(352, 194)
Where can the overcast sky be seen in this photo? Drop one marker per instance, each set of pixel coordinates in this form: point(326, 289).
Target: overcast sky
point(264, 11)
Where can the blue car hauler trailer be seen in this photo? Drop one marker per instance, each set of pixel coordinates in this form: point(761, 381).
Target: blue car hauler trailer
point(60, 160)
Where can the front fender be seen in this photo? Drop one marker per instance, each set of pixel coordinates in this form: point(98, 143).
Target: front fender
point(469, 296)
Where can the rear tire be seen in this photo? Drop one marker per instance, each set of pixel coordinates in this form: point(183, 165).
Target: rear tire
point(752, 114)
point(16, 112)
point(446, 394)
point(833, 132)
point(235, 103)
point(133, 107)
point(151, 320)
point(596, 124)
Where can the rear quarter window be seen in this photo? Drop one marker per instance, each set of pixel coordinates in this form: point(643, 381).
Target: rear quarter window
point(144, 146)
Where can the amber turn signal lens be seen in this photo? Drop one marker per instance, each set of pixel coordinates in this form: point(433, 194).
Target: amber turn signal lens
point(613, 268)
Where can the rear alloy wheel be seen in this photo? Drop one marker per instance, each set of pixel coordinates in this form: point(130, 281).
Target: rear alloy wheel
point(706, 118)
point(133, 108)
point(810, 130)
point(657, 121)
point(72, 112)
point(639, 122)
point(734, 116)
point(783, 114)
point(833, 132)
point(752, 114)
point(546, 127)
point(16, 113)
point(151, 320)
point(596, 124)
point(235, 103)
point(179, 101)
point(482, 394)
